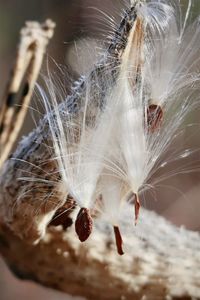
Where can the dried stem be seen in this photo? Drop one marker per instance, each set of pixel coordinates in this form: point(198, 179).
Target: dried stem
point(32, 47)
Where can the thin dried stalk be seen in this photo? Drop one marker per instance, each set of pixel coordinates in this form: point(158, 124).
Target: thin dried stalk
point(32, 46)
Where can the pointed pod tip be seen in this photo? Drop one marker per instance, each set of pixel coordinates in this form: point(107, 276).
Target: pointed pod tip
point(83, 224)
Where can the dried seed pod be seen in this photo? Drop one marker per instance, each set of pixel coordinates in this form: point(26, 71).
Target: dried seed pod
point(83, 224)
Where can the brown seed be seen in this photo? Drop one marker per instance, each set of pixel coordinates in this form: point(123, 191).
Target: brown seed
point(154, 117)
point(137, 208)
point(83, 224)
point(118, 240)
point(62, 215)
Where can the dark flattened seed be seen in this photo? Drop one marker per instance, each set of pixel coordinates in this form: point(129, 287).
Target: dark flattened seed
point(154, 117)
point(61, 219)
point(62, 215)
point(137, 208)
point(83, 224)
point(118, 240)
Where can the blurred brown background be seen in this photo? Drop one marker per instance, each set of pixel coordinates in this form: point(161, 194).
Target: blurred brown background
point(177, 198)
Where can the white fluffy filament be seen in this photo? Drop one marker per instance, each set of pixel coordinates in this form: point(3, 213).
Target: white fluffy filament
point(109, 151)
